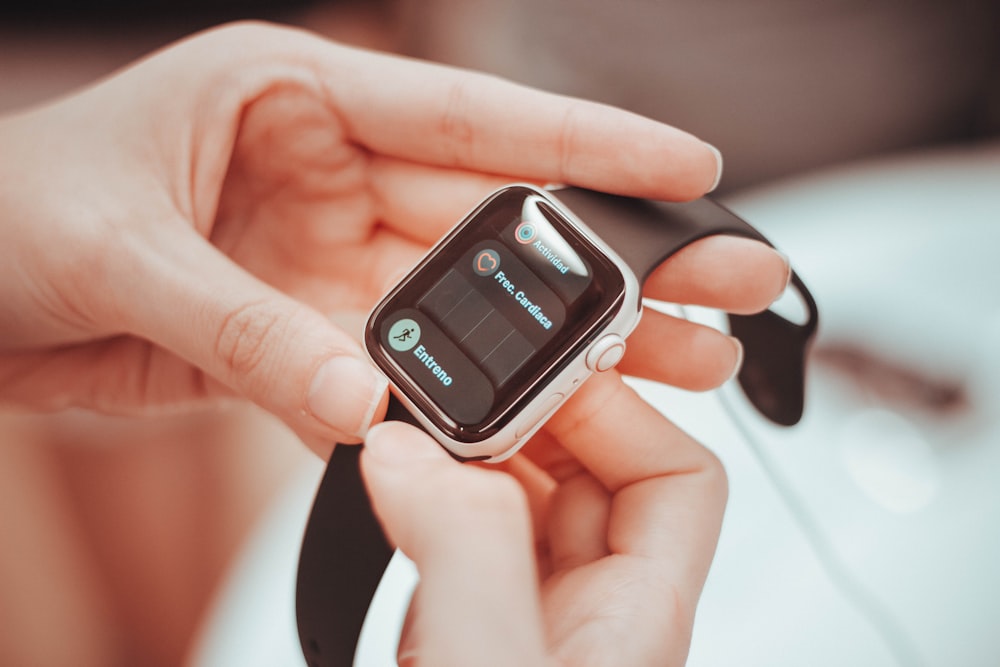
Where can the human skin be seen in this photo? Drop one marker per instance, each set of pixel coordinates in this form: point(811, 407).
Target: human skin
point(590, 548)
point(187, 230)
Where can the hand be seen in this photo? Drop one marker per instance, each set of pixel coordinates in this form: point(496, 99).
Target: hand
point(594, 556)
point(593, 548)
point(182, 231)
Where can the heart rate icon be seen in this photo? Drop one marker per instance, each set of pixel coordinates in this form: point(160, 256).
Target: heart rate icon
point(486, 262)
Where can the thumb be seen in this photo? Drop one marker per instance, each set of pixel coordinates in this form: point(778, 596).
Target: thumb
point(469, 533)
point(282, 354)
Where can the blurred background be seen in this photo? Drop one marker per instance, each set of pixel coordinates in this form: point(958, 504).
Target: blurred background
point(863, 138)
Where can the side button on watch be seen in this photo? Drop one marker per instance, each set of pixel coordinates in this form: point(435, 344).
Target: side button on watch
point(606, 353)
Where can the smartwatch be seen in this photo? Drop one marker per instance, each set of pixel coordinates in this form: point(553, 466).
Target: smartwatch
point(531, 293)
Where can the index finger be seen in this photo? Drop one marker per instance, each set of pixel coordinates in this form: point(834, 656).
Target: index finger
point(468, 533)
point(460, 119)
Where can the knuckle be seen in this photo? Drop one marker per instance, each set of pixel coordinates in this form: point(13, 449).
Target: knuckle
point(568, 138)
point(455, 125)
point(248, 339)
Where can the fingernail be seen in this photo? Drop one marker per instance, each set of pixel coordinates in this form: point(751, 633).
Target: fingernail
point(739, 358)
point(408, 658)
point(718, 166)
point(395, 444)
point(345, 393)
point(788, 271)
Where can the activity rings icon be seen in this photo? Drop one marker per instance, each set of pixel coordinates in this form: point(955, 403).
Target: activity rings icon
point(525, 233)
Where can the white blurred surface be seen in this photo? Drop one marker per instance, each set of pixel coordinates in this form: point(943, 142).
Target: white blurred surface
point(869, 535)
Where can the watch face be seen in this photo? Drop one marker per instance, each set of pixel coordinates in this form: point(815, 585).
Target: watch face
point(481, 326)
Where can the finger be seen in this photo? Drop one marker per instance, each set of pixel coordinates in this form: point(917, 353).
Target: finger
point(468, 532)
point(422, 201)
point(122, 376)
point(578, 523)
point(575, 530)
point(449, 117)
point(669, 490)
point(680, 353)
point(734, 274)
point(456, 118)
point(538, 488)
point(351, 276)
point(263, 344)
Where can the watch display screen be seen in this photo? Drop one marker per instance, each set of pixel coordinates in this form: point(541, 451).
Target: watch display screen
point(477, 329)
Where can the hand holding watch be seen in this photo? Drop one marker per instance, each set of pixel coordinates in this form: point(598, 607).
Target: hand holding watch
point(503, 320)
